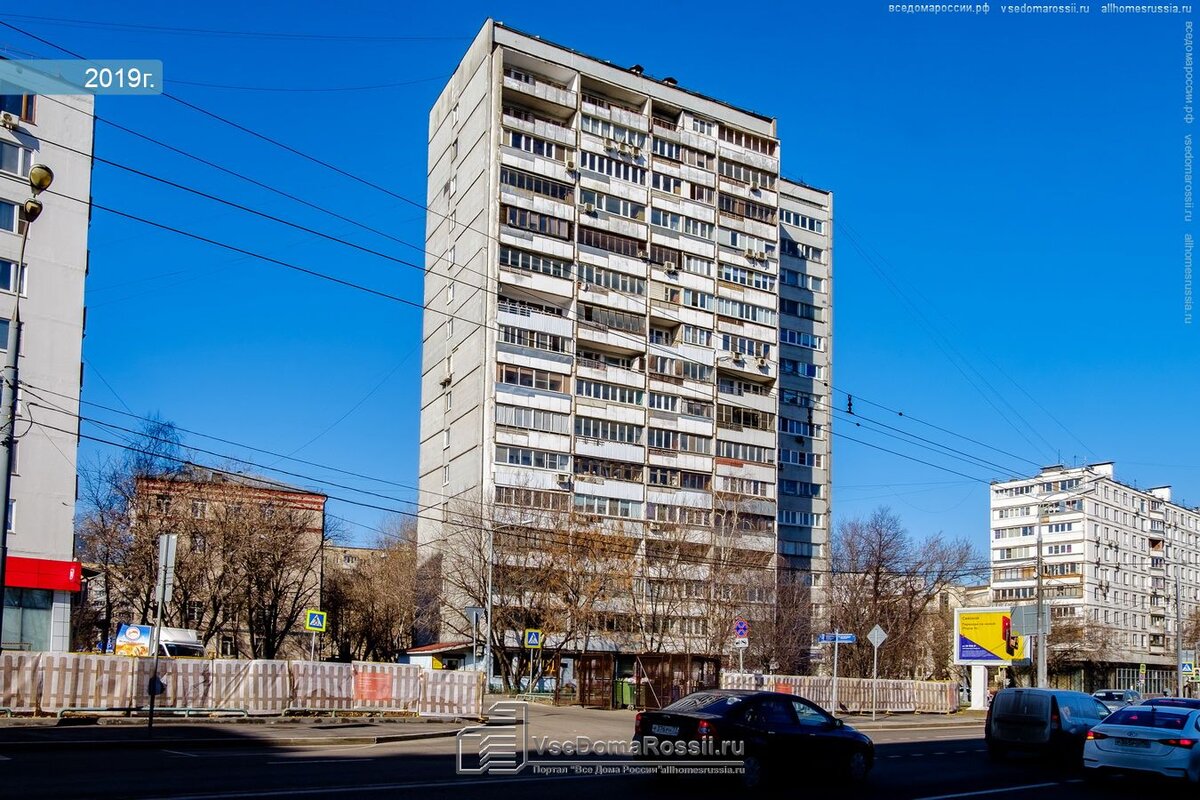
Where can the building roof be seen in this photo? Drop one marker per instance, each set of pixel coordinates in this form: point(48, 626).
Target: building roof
point(197, 473)
point(439, 647)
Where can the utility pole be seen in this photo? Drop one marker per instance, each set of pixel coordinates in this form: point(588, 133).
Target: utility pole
point(1040, 680)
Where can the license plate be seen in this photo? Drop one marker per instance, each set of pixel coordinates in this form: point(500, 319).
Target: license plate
point(1133, 743)
point(665, 730)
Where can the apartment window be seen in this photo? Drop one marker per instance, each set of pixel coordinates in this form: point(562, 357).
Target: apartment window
point(696, 408)
point(529, 377)
point(20, 105)
point(536, 459)
point(15, 159)
point(679, 442)
point(694, 227)
point(802, 310)
point(608, 391)
point(532, 498)
point(12, 516)
point(799, 220)
point(801, 339)
point(666, 183)
point(446, 475)
point(607, 506)
point(611, 279)
point(789, 366)
point(664, 402)
point(613, 205)
point(601, 317)
point(454, 150)
point(748, 487)
point(790, 277)
point(534, 262)
point(537, 340)
point(12, 218)
point(799, 488)
point(746, 209)
point(697, 336)
point(533, 221)
point(799, 458)
point(739, 451)
point(665, 219)
point(746, 311)
point(590, 98)
point(611, 242)
point(533, 144)
point(745, 174)
point(609, 470)
point(8, 277)
point(804, 518)
point(612, 167)
point(532, 419)
point(749, 141)
point(199, 508)
point(449, 396)
point(536, 185)
point(594, 358)
point(607, 430)
point(697, 265)
point(747, 277)
point(740, 388)
point(678, 514)
point(737, 416)
point(798, 428)
point(610, 130)
point(449, 292)
point(745, 345)
point(791, 247)
point(703, 194)
point(793, 397)
point(525, 307)
point(704, 126)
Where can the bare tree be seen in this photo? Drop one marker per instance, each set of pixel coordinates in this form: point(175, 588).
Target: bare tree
point(882, 575)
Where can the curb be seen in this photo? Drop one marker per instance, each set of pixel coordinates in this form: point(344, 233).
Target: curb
point(275, 741)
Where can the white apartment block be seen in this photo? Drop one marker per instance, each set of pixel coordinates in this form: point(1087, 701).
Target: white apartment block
point(1111, 554)
point(41, 571)
point(628, 309)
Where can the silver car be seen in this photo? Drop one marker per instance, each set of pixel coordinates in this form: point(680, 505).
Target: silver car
point(1146, 739)
point(1118, 698)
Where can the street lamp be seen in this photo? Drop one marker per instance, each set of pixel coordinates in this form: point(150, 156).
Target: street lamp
point(40, 178)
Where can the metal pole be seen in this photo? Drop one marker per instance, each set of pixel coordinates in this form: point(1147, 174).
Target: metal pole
point(741, 659)
point(835, 660)
point(487, 636)
point(8, 423)
point(161, 593)
point(874, 682)
point(1041, 633)
point(312, 647)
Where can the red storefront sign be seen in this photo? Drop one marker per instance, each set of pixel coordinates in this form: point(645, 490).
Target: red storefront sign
point(42, 573)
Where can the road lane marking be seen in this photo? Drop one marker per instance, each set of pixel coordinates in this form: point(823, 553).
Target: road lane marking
point(180, 753)
point(983, 792)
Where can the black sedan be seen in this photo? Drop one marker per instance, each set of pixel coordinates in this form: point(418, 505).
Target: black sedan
point(771, 734)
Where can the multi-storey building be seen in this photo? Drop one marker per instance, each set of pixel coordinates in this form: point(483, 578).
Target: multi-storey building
point(1119, 565)
point(628, 319)
point(41, 573)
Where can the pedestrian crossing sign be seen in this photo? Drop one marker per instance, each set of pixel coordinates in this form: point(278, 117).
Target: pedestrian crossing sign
point(1187, 667)
point(533, 639)
point(314, 620)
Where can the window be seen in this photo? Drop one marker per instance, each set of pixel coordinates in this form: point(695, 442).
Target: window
point(12, 218)
point(697, 265)
point(533, 144)
point(694, 227)
point(799, 489)
point(449, 292)
point(678, 514)
point(536, 184)
point(791, 247)
point(529, 377)
point(747, 277)
point(746, 209)
point(199, 508)
point(533, 339)
point(801, 339)
point(798, 428)
point(666, 183)
point(525, 307)
point(610, 130)
point(607, 506)
point(697, 336)
point(21, 105)
point(15, 159)
point(607, 430)
point(790, 277)
point(740, 451)
point(533, 221)
point(608, 391)
point(801, 221)
point(532, 498)
point(609, 470)
point(611, 279)
point(537, 459)
point(679, 442)
point(612, 167)
point(745, 345)
point(446, 475)
point(534, 262)
point(12, 516)
point(532, 419)
point(665, 219)
point(790, 366)
point(703, 126)
point(613, 205)
point(746, 311)
point(803, 518)
point(445, 438)
point(611, 242)
point(746, 486)
point(744, 174)
point(606, 318)
point(8, 276)
point(664, 402)
point(739, 417)
point(802, 310)
point(757, 144)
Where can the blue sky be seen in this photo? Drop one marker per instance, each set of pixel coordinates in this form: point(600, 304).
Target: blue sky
point(1008, 239)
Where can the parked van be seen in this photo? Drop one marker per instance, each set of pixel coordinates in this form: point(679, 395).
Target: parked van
point(1047, 721)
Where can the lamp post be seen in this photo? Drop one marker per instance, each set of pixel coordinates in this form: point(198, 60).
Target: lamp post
point(40, 178)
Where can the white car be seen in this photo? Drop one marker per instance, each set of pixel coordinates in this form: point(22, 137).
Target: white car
point(1160, 739)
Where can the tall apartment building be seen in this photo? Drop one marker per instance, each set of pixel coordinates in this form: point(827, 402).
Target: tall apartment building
point(628, 312)
point(41, 571)
point(1111, 554)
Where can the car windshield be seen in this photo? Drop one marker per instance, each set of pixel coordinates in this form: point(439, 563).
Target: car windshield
point(1109, 695)
point(1149, 717)
point(704, 701)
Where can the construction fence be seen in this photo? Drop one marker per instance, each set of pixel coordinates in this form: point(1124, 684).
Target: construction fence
point(854, 694)
point(51, 683)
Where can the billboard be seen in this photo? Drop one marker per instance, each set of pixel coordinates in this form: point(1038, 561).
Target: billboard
point(133, 640)
point(986, 636)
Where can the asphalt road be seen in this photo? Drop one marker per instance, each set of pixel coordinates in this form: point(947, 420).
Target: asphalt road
point(926, 762)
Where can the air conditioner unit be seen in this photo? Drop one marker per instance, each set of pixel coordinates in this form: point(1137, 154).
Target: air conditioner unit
point(755, 184)
point(589, 208)
point(563, 477)
point(760, 255)
point(738, 358)
point(749, 254)
point(637, 151)
point(624, 147)
point(762, 362)
point(571, 165)
point(446, 379)
point(9, 120)
point(671, 268)
point(585, 287)
point(610, 144)
point(643, 254)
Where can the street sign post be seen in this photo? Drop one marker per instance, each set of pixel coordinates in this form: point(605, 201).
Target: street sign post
point(314, 622)
point(167, 543)
point(533, 639)
point(837, 637)
point(741, 640)
point(875, 637)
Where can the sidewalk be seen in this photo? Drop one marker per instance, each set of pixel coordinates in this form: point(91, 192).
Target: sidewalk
point(122, 732)
point(884, 722)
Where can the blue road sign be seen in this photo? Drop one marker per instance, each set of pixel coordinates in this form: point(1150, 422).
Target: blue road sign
point(314, 620)
point(741, 628)
point(840, 638)
point(533, 639)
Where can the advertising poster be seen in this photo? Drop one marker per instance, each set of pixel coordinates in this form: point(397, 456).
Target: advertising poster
point(986, 636)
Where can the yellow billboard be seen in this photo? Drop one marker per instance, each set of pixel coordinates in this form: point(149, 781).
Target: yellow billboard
point(986, 636)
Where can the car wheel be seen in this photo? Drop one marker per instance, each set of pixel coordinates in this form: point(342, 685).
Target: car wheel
point(858, 766)
point(752, 772)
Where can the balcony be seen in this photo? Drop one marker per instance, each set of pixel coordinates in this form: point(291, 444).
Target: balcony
point(536, 87)
point(543, 129)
